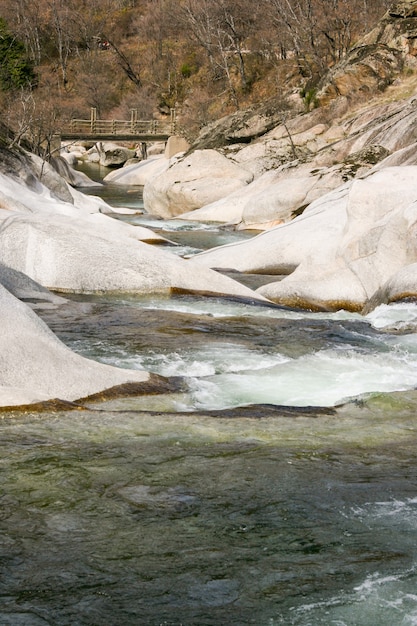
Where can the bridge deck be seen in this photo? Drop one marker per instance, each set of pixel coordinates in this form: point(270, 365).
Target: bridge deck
point(123, 130)
point(115, 136)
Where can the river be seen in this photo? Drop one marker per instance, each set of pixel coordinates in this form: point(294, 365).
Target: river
point(278, 486)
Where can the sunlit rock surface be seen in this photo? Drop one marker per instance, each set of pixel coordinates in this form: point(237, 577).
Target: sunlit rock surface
point(46, 174)
point(138, 173)
point(295, 163)
point(275, 197)
point(41, 235)
point(377, 58)
point(28, 290)
point(401, 286)
point(73, 247)
point(66, 248)
point(38, 200)
point(64, 254)
point(343, 248)
point(112, 154)
point(230, 209)
point(66, 170)
point(192, 182)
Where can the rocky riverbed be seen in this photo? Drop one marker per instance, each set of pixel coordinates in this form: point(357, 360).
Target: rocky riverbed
point(330, 195)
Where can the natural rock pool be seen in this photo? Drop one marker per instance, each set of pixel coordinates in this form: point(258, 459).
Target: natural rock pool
point(231, 501)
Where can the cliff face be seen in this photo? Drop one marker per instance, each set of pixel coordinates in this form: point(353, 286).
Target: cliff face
point(385, 56)
point(407, 8)
point(378, 58)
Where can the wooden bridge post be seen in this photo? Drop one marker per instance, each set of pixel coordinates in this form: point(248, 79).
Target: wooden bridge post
point(133, 119)
point(93, 119)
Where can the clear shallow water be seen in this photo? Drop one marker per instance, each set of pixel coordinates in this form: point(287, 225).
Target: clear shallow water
point(190, 237)
point(149, 511)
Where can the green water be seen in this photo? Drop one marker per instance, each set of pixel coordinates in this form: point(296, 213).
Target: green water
point(124, 518)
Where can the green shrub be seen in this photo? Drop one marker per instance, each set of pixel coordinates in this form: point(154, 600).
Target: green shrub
point(309, 97)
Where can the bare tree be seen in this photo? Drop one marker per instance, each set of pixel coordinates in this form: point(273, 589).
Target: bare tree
point(29, 28)
point(318, 33)
point(235, 23)
point(197, 16)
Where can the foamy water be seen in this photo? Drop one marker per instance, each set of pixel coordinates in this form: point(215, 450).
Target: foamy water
point(227, 374)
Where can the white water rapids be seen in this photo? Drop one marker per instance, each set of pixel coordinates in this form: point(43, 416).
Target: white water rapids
point(225, 374)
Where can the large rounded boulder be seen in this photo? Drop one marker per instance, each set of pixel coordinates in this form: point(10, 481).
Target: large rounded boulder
point(343, 248)
point(138, 173)
point(84, 256)
point(190, 183)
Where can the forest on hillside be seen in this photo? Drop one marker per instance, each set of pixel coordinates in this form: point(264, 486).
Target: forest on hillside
point(205, 58)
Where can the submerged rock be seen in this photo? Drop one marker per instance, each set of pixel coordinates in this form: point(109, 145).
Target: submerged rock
point(175, 501)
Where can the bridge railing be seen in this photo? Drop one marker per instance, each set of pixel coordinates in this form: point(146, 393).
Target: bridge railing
point(94, 126)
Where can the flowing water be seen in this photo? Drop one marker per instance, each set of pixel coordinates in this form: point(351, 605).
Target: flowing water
point(277, 486)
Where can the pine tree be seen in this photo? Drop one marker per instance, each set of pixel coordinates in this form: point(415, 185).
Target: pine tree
point(16, 69)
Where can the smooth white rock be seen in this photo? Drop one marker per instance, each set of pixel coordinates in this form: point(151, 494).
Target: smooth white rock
point(36, 366)
point(202, 177)
point(112, 154)
point(91, 255)
point(341, 250)
point(90, 208)
point(273, 197)
point(230, 209)
point(403, 284)
point(138, 173)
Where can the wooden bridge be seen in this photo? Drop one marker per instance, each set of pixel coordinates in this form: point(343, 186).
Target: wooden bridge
point(122, 130)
